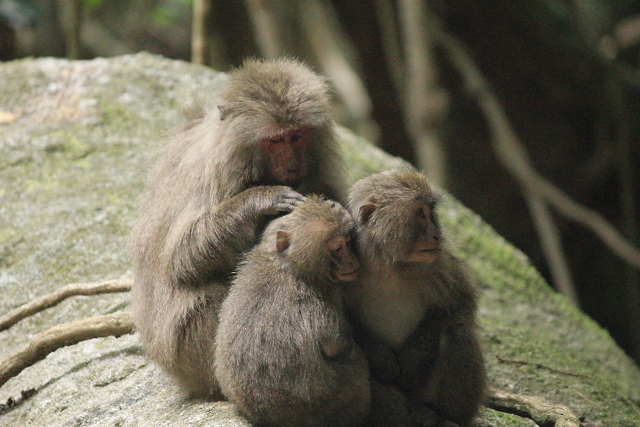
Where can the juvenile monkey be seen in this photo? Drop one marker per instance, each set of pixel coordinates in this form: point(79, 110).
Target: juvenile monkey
point(284, 350)
point(414, 303)
point(222, 177)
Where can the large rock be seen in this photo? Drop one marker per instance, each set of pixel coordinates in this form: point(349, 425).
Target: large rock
point(76, 140)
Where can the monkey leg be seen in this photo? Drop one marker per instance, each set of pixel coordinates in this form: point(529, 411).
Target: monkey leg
point(383, 363)
point(177, 325)
point(389, 407)
point(417, 355)
point(456, 386)
point(195, 350)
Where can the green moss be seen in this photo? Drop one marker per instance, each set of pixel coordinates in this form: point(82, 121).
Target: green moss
point(118, 116)
point(496, 419)
point(7, 233)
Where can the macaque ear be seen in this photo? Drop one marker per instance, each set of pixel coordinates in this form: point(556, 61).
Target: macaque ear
point(282, 241)
point(366, 211)
point(222, 109)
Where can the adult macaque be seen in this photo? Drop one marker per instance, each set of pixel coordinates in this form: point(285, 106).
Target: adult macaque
point(222, 177)
point(284, 350)
point(414, 304)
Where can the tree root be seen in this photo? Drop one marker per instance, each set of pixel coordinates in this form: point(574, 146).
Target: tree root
point(49, 300)
point(38, 348)
point(536, 408)
point(542, 412)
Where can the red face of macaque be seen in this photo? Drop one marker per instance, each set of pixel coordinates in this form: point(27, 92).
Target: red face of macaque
point(427, 245)
point(286, 153)
point(344, 264)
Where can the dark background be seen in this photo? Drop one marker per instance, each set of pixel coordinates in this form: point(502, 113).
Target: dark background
point(564, 71)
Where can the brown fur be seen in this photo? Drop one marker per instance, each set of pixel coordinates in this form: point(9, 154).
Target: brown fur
point(209, 197)
point(285, 354)
point(416, 321)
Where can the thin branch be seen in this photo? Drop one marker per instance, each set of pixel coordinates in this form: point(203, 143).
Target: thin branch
point(265, 21)
point(627, 31)
point(540, 366)
point(198, 31)
point(552, 247)
point(541, 411)
point(619, 108)
point(589, 400)
point(325, 41)
point(59, 336)
point(425, 103)
point(70, 16)
point(513, 156)
point(49, 300)
point(391, 42)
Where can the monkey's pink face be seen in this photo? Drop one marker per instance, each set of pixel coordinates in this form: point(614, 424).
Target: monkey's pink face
point(286, 153)
point(428, 239)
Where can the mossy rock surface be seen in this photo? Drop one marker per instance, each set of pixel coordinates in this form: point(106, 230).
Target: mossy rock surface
point(76, 141)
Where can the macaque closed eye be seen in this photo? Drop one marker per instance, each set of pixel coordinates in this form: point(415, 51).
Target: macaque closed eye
point(293, 376)
point(299, 135)
point(335, 244)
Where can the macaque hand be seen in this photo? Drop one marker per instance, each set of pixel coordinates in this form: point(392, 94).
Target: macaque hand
point(282, 199)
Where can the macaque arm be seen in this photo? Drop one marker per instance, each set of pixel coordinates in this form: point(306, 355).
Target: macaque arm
point(383, 363)
point(419, 351)
point(209, 243)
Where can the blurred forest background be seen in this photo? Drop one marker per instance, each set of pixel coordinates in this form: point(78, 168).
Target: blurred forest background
point(528, 111)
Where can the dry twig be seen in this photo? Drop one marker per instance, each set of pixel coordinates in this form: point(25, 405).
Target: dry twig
point(320, 30)
point(513, 156)
point(540, 366)
point(198, 31)
point(543, 221)
point(425, 103)
point(552, 247)
point(264, 17)
point(536, 408)
point(49, 300)
point(391, 42)
point(38, 348)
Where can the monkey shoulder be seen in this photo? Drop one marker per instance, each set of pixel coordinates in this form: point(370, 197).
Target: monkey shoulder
point(449, 282)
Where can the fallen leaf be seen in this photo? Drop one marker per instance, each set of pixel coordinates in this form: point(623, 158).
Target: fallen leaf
point(6, 117)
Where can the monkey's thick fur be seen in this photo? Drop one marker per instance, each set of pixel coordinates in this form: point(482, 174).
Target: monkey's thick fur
point(209, 197)
point(415, 320)
point(285, 355)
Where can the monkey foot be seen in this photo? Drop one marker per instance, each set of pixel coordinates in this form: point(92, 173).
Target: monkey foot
point(426, 416)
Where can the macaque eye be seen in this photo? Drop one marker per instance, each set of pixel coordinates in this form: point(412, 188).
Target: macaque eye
point(298, 135)
point(335, 246)
point(276, 140)
point(421, 213)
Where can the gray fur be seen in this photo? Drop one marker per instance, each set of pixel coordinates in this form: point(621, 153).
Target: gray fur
point(435, 360)
point(285, 354)
point(207, 202)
